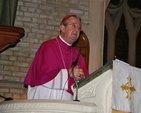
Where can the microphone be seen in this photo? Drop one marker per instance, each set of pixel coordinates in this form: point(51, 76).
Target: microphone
point(73, 65)
point(76, 61)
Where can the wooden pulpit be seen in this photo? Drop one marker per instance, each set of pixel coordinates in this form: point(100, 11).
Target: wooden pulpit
point(10, 36)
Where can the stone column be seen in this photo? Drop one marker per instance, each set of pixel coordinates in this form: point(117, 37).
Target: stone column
point(95, 32)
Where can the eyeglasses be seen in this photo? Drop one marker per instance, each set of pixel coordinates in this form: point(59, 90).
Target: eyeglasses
point(74, 26)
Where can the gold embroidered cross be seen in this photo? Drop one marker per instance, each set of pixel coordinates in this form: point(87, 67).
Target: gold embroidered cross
point(128, 88)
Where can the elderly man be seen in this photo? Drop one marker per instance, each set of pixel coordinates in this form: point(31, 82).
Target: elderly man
point(54, 68)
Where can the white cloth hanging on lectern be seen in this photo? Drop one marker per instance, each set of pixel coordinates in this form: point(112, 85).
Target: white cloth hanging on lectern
point(120, 96)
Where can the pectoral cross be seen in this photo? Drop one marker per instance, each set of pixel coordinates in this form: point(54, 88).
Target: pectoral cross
point(128, 88)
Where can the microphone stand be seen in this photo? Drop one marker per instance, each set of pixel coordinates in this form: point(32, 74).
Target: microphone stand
point(72, 71)
point(76, 96)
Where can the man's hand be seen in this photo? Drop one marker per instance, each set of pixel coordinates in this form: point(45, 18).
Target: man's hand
point(77, 72)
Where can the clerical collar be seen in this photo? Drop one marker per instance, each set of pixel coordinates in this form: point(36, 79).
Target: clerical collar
point(65, 41)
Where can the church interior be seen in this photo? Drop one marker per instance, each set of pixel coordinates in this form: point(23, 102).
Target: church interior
point(111, 30)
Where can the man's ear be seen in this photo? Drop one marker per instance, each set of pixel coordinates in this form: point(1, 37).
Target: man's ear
point(62, 28)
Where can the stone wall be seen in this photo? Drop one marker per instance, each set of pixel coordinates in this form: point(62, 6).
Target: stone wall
point(40, 20)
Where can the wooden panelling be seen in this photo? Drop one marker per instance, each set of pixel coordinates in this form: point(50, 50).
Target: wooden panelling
point(83, 44)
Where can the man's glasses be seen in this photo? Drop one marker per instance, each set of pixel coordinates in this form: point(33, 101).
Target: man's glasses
point(74, 26)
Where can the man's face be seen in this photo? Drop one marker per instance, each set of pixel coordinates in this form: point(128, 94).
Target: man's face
point(70, 32)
